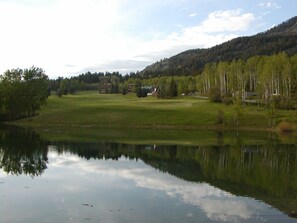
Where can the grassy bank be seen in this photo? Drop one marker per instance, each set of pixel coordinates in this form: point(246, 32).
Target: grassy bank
point(90, 110)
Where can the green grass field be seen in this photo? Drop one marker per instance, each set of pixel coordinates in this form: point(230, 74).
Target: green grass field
point(119, 115)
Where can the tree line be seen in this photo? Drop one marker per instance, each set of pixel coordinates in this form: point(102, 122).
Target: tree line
point(262, 78)
point(22, 93)
point(109, 81)
point(266, 77)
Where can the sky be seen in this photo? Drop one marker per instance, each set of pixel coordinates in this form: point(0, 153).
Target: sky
point(70, 37)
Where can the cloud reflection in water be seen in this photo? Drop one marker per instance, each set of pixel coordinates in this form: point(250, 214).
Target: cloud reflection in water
point(215, 203)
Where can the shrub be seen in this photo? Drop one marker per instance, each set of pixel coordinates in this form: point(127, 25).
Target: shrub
point(141, 93)
point(124, 91)
point(282, 102)
point(215, 94)
point(285, 127)
point(227, 100)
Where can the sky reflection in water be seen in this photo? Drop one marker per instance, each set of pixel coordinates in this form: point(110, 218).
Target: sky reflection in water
point(74, 189)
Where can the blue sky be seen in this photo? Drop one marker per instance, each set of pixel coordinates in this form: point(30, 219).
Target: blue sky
point(68, 37)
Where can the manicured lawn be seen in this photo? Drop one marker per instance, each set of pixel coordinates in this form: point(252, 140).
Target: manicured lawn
point(90, 109)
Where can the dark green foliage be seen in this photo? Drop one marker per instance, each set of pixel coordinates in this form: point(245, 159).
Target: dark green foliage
point(124, 91)
point(282, 102)
point(90, 78)
point(173, 88)
point(215, 94)
point(167, 87)
point(288, 27)
point(23, 92)
point(22, 152)
point(59, 93)
point(227, 99)
point(107, 83)
point(141, 92)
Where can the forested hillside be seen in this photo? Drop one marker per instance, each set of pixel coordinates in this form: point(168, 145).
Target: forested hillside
point(282, 38)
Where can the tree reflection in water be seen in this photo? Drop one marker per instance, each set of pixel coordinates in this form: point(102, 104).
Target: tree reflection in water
point(22, 152)
point(266, 172)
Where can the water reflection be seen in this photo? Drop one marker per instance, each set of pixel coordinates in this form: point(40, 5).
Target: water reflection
point(215, 203)
point(225, 182)
point(22, 151)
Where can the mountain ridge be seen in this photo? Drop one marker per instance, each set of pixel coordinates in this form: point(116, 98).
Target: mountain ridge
point(281, 38)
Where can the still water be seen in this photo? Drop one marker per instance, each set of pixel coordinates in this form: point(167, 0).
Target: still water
point(43, 181)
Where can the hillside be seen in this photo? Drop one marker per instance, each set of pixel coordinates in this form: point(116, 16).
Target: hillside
point(278, 39)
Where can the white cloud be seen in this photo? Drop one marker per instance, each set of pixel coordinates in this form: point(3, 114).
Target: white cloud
point(95, 35)
point(227, 21)
point(220, 26)
point(193, 15)
point(215, 203)
point(270, 4)
point(70, 32)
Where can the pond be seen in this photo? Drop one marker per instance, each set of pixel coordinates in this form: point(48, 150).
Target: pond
point(66, 181)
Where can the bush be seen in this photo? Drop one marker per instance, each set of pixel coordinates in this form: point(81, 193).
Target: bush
point(141, 93)
point(124, 91)
point(285, 127)
point(215, 94)
point(282, 102)
point(59, 93)
point(227, 100)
